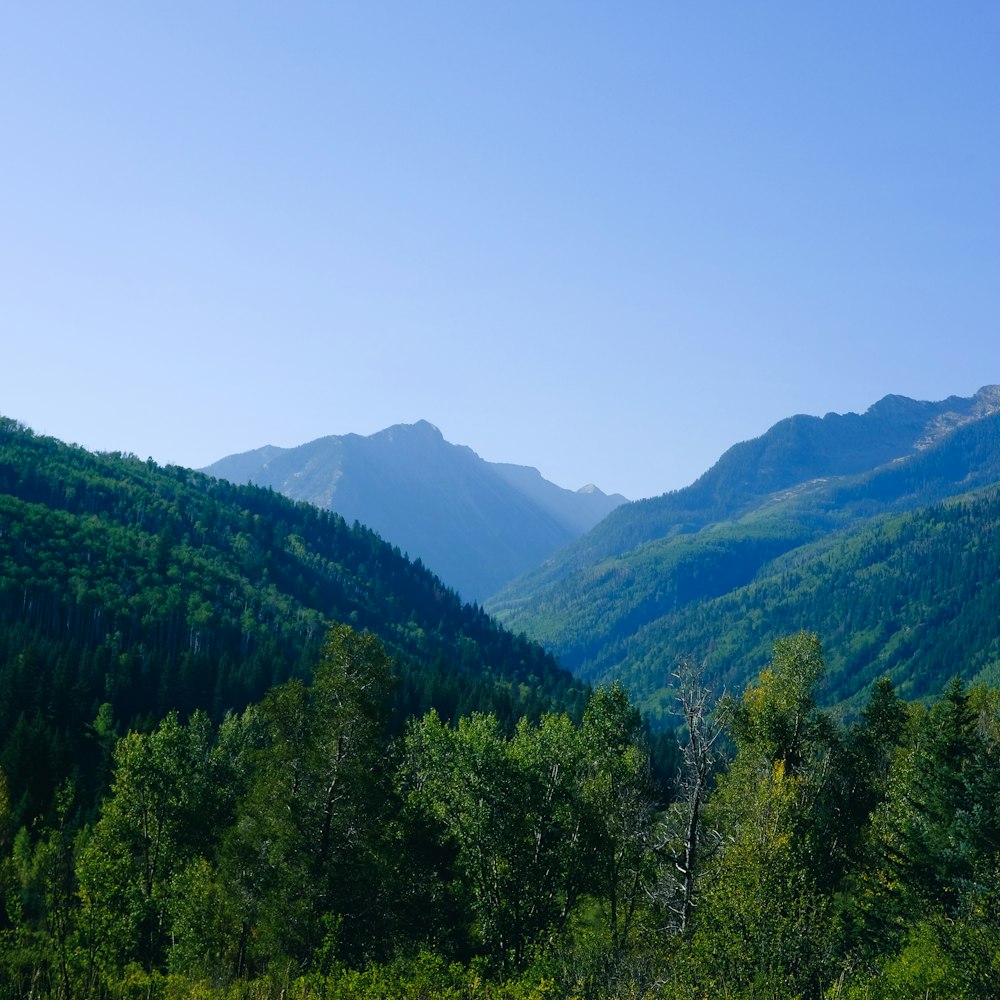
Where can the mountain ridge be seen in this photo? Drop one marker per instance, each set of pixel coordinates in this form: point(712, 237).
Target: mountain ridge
point(749, 471)
point(158, 588)
point(596, 604)
point(477, 524)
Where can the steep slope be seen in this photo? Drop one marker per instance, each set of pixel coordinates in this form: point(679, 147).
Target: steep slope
point(616, 616)
point(160, 588)
point(913, 597)
point(578, 511)
point(793, 453)
point(476, 524)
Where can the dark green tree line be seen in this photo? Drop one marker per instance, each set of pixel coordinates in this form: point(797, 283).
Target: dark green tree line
point(307, 847)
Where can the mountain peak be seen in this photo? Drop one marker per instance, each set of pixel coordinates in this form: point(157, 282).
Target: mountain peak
point(789, 530)
point(477, 524)
point(426, 427)
point(422, 429)
point(961, 411)
point(989, 396)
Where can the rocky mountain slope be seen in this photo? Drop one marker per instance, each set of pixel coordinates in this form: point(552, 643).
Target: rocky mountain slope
point(476, 524)
point(632, 595)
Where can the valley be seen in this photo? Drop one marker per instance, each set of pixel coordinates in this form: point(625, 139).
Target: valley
point(248, 748)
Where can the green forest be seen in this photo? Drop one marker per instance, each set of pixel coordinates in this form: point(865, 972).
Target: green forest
point(302, 848)
point(905, 596)
point(156, 589)
point(895, 568)
point(248, 750)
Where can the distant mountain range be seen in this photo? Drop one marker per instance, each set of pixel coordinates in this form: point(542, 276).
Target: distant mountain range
point(476, 524)
point(155, 589)
point(715, 571)
point(880, 531)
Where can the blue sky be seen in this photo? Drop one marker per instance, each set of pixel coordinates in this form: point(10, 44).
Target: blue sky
point(605, 239)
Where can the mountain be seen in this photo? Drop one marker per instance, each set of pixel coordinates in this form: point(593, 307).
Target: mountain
point(477, 524)
point(152, 589)
point(635, 593)
point(912, 597)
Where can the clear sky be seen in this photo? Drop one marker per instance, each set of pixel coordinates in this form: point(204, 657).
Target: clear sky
point(605, 239)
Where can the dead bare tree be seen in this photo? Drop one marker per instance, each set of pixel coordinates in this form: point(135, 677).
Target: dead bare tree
point(684, 838)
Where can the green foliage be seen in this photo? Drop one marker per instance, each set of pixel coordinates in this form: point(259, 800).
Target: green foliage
point(204, 924)
point(311, 843)
point(150, 590)
point(748, 554)
point(621, 804)
point(935, 836)
point(540, 819)
point(510, 806)
point(910, 598)
point(272, 855)
point(168, 797)
point(305, 844)
point(763, 920)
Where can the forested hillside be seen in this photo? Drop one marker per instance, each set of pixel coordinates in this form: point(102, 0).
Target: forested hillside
point(148, 589)
point(718, 586)
point(302, 849)
point(799, 452)
point(912, 597)
point(250, 751)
